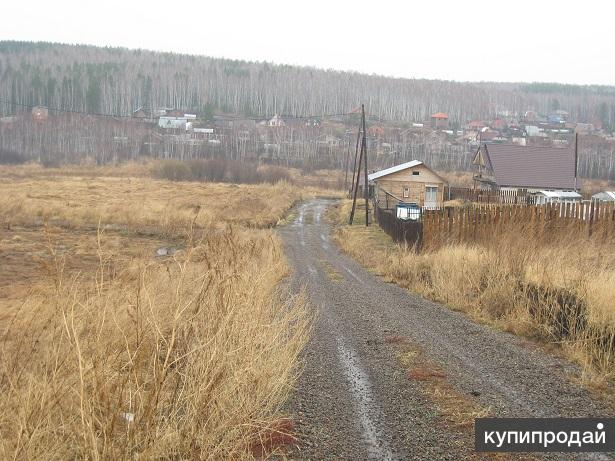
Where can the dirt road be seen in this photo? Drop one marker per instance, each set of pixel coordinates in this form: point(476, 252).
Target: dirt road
point(358, 398)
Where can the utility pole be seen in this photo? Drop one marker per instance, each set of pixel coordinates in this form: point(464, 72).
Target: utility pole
point(576, 159)
point(356, 186)
point(366, 185)
point(346, 162)
point(356, 154)
point(362, 159)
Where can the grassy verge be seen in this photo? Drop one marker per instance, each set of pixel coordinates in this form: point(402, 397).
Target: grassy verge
point(109, 351)
point(562, 293)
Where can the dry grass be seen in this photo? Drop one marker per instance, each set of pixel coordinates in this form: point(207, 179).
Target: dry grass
point(562, 292)
point(138, 204)
point(26, 260)
point(138, 169)
point(86, 198)
point(107, 351)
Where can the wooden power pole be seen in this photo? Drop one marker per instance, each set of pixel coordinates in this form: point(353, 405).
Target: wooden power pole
point(362, 160)
point(576, 159)
point(354, 165)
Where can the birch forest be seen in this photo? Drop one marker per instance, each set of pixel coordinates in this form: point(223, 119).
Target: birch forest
point(118, 81)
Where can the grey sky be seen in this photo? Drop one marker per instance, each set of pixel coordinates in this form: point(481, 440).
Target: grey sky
point(515, 40)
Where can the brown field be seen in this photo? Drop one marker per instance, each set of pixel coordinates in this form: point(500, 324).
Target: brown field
point(561, 292)
point(110, 351)
point(139, 204)
point(27, 255)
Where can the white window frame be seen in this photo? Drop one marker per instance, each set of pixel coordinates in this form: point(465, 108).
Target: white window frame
point(432, 186)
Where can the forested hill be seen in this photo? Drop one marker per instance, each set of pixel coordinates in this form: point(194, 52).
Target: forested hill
point(117, 80)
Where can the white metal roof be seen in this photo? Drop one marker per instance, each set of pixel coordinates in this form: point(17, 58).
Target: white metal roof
point(393, 169)
point(606, 194)
point(560, 194)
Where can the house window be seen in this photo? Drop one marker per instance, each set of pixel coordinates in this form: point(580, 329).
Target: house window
point(406, 192)
point(431, 196)
point(416, 173)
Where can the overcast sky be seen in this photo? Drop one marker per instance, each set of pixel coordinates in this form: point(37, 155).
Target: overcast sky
point(477, 40)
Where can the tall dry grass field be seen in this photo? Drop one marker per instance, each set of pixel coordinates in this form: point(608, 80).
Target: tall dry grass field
point(108, 351)
point(560, 289)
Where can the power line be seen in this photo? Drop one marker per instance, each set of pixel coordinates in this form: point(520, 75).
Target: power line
point(71, 111)
point(101, 114)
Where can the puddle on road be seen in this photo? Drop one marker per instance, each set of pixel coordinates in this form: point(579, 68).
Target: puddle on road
point(300, 216)
point(360, 388)
point(355, 276)
point(318, 210)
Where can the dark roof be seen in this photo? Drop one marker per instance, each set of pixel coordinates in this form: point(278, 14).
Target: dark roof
point(531, 166)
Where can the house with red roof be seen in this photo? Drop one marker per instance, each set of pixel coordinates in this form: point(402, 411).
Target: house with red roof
point(475, 125)
point(439, 120)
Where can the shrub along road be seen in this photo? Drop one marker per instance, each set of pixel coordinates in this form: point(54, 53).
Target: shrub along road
point(390, 375)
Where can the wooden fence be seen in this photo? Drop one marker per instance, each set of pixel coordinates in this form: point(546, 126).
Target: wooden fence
point(484, 223)
point(408, 232)
point(512, 197)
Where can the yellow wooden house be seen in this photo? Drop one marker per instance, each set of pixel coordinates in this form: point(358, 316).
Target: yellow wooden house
point(410, 182)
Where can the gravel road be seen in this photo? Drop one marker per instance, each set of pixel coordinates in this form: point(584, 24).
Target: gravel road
point(355, 400)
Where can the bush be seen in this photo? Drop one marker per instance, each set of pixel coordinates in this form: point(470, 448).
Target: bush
point(49, 162)
point(242, 173)
point(273, 174)
point(173, 170)
point(10, 157)
point(219, 170)
point(208, 170)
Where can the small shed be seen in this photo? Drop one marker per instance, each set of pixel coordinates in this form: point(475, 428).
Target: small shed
point(605, 196)
point(556, 196)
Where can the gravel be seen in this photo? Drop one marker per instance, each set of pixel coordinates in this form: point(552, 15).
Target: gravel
point(354, 400)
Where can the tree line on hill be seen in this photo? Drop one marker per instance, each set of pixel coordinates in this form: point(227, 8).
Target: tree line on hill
point(118, 80)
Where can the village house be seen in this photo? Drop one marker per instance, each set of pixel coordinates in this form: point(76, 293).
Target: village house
point(139, 112)
point(173, 123)
point(439, 120)
point(410, 182)
point(525, 168)
point(475, 125)
point(531, 116)
point(376, 131)
point(276, 121)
